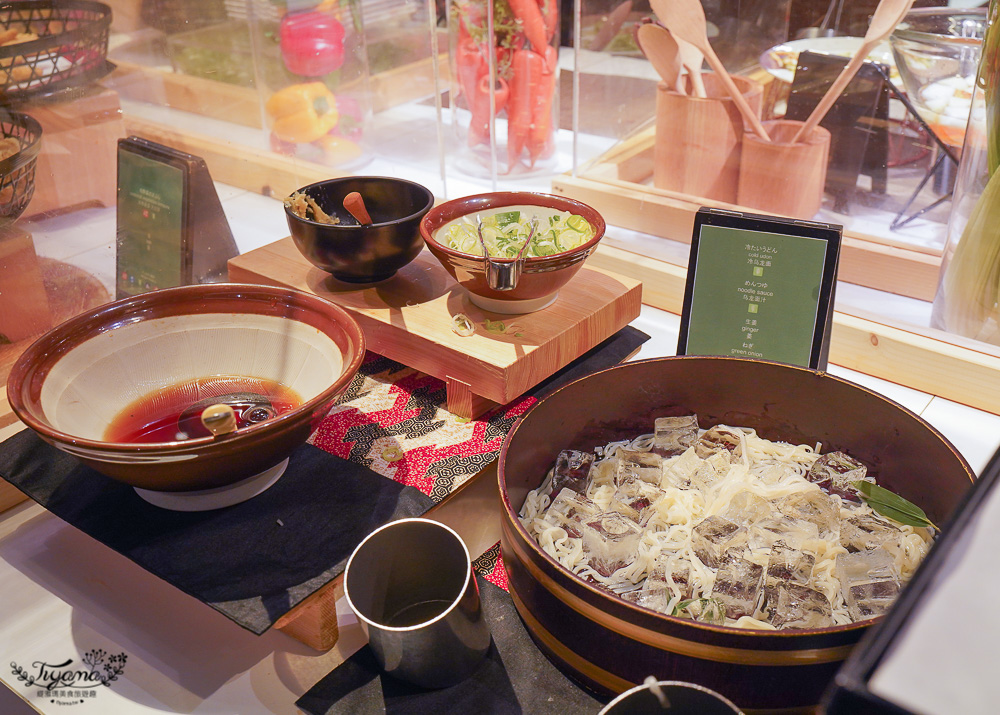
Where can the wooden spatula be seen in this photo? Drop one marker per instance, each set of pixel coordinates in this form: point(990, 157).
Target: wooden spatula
point(660, 48)
point(686, 21)
point(887, 15)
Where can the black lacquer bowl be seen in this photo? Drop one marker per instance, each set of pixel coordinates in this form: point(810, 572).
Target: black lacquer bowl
point(363, 254)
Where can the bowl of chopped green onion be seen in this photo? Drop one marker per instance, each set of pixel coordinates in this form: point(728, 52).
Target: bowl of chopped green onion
point(512, 250)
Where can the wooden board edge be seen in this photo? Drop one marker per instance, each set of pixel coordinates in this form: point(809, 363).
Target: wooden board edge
point(890, 351)
point(611, 168)
point(9, 425)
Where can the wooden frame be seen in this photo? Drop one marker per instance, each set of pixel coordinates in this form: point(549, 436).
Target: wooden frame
point(614, 185)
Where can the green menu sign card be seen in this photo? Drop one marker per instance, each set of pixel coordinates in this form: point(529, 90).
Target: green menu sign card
point(760, 287)
point(171, 229)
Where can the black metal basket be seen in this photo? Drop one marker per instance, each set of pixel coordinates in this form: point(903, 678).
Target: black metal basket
point(17, 172)
point(70, 51)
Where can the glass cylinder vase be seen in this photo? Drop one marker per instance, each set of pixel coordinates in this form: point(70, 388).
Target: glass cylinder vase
point(967, 301)
point(504, 86)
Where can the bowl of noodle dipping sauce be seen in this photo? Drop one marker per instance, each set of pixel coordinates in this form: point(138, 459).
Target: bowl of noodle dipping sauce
point(609, 644)
point(541, 277)
point(122, 387)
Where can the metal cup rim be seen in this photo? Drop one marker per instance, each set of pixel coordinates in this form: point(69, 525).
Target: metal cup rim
point(684, 684)
point(425, 624)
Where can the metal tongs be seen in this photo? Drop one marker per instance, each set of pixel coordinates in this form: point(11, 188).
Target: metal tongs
point(503, 274)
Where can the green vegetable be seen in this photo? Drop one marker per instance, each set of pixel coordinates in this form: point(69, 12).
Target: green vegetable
point(890, 504)
point(498, 326)
point(971, 282)
point(711, 610)
point(504, 234)
point(507, 217)
point(970, 287)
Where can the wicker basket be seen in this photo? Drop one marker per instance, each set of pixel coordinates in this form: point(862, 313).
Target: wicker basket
point(17, 172)
point(70, 49)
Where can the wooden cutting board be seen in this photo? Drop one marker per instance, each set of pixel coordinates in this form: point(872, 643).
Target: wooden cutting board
point(408, 318)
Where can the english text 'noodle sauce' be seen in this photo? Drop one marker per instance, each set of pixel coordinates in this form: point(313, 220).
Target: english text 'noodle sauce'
point(174, 413)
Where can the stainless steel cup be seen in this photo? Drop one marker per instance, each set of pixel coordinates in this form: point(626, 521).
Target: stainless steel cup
point(411, 585)
point(670, 697)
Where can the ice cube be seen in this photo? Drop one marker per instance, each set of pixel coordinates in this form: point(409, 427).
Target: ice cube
point(867, 531)
point(610, 541)
point(644, 466)
point(835, 471)
point(815, 506)
point(673, 577)
point(747, 508)
point(737, 585)
point(655, 599)
point(673, 435)
point(677, 472)
point(869, 582)
point(712, 469)
point(791, 605)
point(714, 536)
point(569, 510)
point(625, 509)
point(795, 533)
point(637, 496)
point(791, 565)
point(571, 471)
point(720, 438)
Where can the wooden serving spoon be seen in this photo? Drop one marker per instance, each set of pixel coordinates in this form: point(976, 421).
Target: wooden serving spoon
point(884, 20)
point(686, 20)
point(692, 59)
point(355, 205)
point(660, 48)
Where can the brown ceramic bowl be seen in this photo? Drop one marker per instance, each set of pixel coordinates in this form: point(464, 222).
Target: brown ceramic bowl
point(611, 645)
point(71, 383)
point(542, 276)
point(363, 254)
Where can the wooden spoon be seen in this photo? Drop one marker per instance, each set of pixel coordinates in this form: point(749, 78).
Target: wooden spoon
point(356, 207)
point(661, 50)
point(884, 20)
point(686, 20)
point(692, 59)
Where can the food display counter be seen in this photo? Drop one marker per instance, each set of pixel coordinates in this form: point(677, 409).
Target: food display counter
point(82, 607)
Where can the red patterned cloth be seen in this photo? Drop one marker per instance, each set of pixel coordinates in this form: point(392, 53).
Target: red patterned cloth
point(490, 567)
point(392, 420)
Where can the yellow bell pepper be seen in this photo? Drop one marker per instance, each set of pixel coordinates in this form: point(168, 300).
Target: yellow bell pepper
point(302, 113)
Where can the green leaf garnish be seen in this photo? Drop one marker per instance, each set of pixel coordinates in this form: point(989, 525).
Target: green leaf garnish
point(498, 326)
point(682, 605)
point(893, 506)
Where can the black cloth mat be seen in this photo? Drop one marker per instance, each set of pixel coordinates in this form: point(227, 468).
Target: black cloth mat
point(514, 678)
point(612, 351)
point(252, 561)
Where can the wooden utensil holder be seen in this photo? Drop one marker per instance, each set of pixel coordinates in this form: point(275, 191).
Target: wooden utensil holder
point(698, 140)
point(782, 178)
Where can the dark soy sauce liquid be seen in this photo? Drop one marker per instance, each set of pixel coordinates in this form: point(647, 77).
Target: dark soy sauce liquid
point(174, 413)
point(418, 613)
